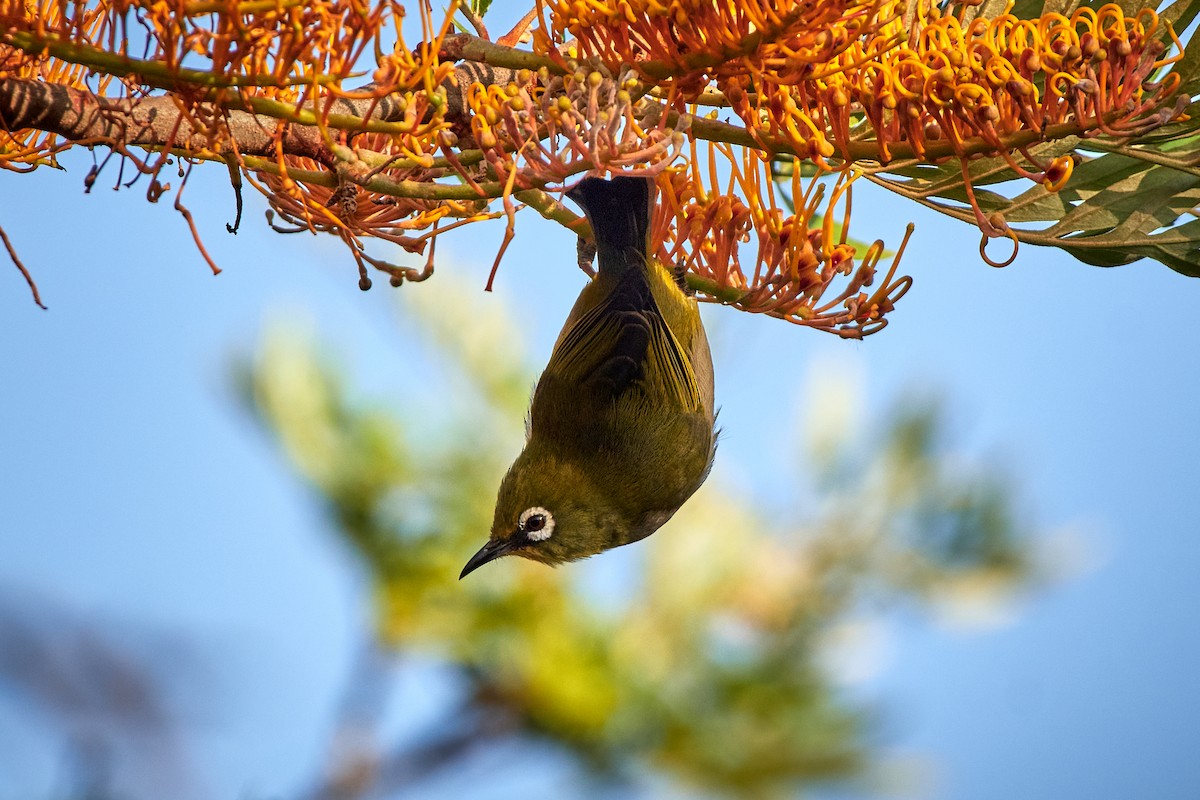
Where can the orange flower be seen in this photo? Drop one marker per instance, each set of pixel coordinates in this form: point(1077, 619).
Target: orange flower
point(703, 222)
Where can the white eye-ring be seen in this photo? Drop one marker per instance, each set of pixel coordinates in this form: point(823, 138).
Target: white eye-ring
point(537, 523)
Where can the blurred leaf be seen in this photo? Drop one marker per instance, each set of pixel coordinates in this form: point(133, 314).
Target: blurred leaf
point(1180, 14)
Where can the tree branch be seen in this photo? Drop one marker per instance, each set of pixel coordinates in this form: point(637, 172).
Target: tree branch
point(158, 121)
point(149, 122)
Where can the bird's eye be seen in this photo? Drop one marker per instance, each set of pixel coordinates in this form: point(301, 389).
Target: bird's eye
point(537, 523)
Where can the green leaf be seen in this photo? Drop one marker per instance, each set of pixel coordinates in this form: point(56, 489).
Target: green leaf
point(480, 7)
point(1180, 13)
point(1118, 207)
point(1178, 248)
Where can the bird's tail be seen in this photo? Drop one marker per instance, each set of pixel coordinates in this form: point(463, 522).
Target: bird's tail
point(619, 210)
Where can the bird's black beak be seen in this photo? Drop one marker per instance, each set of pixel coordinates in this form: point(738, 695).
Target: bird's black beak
point(489, 552)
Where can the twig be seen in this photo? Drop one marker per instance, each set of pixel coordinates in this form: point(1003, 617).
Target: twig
point(12, 253)
point(187, 215)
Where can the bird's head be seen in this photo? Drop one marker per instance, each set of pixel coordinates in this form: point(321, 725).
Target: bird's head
point(547, 510)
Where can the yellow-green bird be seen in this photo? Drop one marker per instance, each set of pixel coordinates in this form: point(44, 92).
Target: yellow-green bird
point(620, 430)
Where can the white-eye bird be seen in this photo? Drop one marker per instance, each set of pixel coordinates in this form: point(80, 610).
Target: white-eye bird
point(620, 429)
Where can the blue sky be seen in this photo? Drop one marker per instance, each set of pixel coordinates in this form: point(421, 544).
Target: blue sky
point(135, 490)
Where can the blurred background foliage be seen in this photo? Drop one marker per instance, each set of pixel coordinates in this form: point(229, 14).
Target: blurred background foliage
point(706, 667)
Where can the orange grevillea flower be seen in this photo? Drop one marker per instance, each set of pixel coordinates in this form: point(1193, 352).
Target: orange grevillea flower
point(690, 42)
point(351, 213)
point(844, 81)
point(804, 74)
point(612, 86)
point(543, 129)
point(864, 80)
point(288, 60)
point(972, 86)
point(549, 127)
point(803, 272)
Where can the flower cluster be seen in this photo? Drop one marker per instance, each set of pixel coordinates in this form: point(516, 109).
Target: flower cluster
point(546, 128)
point(702, 222)
point(611, 86)
point(803, 76)
point(210, 60)
point(873, 80)
point(687, 43)
point(349, 212)
point(973, 85)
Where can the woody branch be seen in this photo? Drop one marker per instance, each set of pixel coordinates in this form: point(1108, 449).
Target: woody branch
point(156, 122)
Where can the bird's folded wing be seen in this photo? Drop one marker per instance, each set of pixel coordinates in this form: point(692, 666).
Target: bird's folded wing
point(623, 344)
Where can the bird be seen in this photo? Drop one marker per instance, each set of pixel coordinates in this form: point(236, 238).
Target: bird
point(621, 425)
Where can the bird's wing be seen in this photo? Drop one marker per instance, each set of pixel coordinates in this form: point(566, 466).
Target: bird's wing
point(623, 343)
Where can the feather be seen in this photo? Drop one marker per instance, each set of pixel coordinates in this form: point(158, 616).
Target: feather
point(623, 343)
